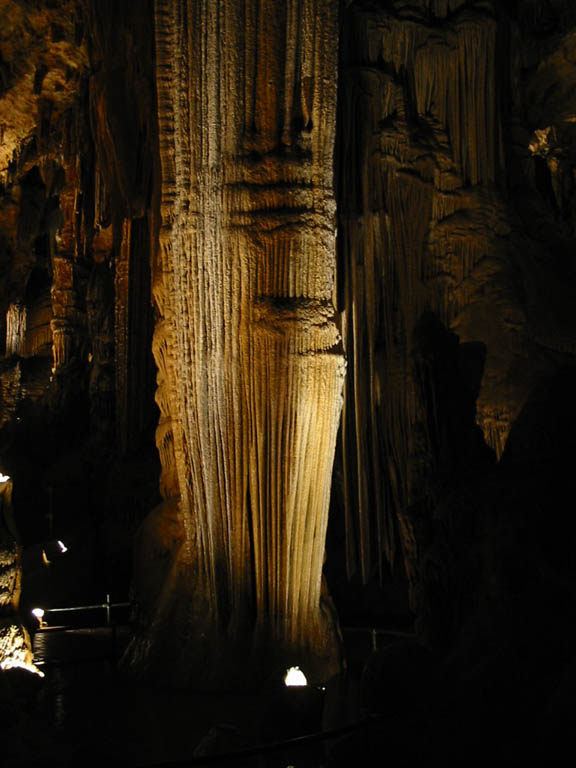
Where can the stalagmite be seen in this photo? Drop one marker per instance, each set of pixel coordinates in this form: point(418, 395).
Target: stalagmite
point(250, 369)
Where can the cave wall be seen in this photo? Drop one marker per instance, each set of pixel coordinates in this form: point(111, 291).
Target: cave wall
point(172, 179)
point(77, 374)
point(454, 219)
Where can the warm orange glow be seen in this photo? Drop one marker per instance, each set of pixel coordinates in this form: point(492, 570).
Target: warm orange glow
point(16, 664)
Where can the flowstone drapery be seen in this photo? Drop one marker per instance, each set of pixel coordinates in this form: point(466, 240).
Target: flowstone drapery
point(250, 367)
point(419, 233)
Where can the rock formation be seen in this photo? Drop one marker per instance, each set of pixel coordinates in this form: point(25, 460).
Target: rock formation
point(15, 647)
point(77, 374)
point(254, 195)
point(250, 371)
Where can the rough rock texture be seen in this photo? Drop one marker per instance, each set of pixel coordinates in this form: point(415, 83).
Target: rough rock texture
point(10, 553)
point(423, 224)
point(250, 369)
point(77, 375)
point(15, 646)
point(182, 153)
point(436, 196)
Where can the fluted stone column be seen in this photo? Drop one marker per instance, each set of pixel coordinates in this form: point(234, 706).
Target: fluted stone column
point(249, 357)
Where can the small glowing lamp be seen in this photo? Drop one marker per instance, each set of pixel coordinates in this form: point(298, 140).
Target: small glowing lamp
point(4, 478)
point(63, 547)
point(295, 677)
point(38, 613)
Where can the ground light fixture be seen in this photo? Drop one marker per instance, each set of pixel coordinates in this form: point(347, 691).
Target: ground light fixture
point(38, 613)
point(294, 677)
point(4, 478)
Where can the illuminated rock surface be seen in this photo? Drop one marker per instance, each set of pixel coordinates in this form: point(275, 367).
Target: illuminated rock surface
point(15, 646)
point(250, 371)
point(216, 206)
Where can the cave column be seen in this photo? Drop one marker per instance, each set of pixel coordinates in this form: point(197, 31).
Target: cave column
point(250, 372)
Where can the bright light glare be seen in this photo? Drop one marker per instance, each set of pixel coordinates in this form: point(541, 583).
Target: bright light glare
point(38, 612)
point(14, 664)
point(63, 548)
point(294, 676)
point(4, 478)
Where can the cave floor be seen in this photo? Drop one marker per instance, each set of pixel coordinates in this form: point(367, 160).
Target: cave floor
point(86, 713)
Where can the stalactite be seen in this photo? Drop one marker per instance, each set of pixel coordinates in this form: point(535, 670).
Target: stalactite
point(420, 139)
point(66, 316)
point(69, 243)
point(495, 424)
point(249, 373)
point(451, 70)
point(15, 329)
point(64, 301)
point(464, 59)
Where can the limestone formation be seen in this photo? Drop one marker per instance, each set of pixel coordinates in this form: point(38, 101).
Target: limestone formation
point(421, 146)
point(171, 190)
point(250, 369)
point(10, 552)
point(15, 646)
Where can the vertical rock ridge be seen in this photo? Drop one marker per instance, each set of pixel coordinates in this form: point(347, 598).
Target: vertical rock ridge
point(15, 329)
point(420, 152)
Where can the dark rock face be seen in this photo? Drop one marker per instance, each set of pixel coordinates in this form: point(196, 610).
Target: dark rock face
point(449, 290)
point(10, 553)
point(15, 647)
point(77, 376)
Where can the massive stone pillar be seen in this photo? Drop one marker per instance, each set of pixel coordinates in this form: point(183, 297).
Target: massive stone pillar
point(250, 365)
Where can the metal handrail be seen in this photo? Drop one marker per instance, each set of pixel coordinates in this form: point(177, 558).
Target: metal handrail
point(374, 632)
point(107, 606)
point(87, 607)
